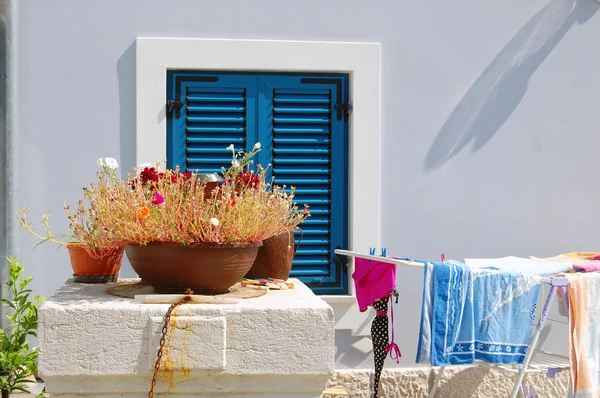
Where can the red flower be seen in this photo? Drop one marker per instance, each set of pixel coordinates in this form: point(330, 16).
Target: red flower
point(249, 179)
point(149, 174)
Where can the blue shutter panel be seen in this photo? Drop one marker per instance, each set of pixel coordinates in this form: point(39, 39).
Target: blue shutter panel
point(309, 146)
point(215, 114)
point(294, 117)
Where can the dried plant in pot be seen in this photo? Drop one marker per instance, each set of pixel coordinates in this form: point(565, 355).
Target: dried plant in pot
point(181, 234)
point(95, 256)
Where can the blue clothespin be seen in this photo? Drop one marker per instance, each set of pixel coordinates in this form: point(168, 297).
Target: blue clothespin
point(371, 252)
point(383, 252)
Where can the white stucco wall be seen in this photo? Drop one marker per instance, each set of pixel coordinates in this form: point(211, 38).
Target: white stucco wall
point(488, 118)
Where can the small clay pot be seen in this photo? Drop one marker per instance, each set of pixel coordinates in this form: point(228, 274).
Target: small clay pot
point(205, 268)
point(100, 268)
point(274, 259)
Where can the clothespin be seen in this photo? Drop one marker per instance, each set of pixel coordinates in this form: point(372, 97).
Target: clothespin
point(395, 294)
point(443, 257)
point(383, 252)
point(371, 252)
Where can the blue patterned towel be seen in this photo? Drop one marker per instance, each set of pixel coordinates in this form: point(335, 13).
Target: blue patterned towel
point(475, 314)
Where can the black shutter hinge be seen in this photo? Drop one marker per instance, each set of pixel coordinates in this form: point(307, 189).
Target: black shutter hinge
point(174, 105)
point(344, 109)
point(342, 260)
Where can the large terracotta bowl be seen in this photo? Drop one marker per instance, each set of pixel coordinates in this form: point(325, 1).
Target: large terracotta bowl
point(205, 268)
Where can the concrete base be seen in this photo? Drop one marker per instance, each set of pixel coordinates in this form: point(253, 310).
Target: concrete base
point(94, 344)
point(457, 382)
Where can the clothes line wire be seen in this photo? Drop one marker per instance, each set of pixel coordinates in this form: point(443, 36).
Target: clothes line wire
point(557, 281)
point(387, 259)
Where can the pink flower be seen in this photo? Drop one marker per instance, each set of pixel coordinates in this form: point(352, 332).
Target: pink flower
point(157, 199)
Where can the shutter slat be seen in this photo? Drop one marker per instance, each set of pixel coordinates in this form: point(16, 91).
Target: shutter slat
point(302, 130)
point(214, 97)
point(215, 140)
point(302, 161)
point(301, 141)
point(306, 120)
point(298, 181)
point(304, 99)
point(214, 129)
point(215, 119)
point(309, 242)
point(216, 109)
point(295, 110)
point(322, 271)
point(300, 151)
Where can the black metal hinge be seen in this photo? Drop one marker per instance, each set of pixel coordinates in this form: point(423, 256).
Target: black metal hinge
point(342, 260)
point(173, 105)
point(340, 107)
point(345, 108)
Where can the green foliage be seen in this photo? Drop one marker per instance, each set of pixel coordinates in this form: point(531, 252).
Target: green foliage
point(17, 360)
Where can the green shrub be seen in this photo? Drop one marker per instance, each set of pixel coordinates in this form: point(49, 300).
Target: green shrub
point(17, 360)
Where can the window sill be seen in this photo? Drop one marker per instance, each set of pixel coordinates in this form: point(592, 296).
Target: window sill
point(339, 299)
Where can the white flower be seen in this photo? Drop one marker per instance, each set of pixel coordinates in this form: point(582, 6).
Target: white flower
point(235, 163)
point(257, 145)
point(214, 222)
point(111, 163)
point(230, 148)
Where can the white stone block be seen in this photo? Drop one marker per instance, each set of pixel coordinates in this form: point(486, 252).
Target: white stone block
point(192, 342)
point(94, 344)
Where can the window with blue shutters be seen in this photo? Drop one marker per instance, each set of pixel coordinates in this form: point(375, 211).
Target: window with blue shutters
point(301, 121)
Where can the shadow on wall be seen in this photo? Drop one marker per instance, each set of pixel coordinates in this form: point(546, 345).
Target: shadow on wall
point(500, 88)
point(126, 76)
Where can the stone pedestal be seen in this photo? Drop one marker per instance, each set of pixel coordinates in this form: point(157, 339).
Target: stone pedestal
point(97, 345)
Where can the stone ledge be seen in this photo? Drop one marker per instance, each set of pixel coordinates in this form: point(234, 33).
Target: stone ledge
point(280, 342)
point(457, 382)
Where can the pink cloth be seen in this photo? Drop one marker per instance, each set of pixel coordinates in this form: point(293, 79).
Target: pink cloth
point(588, 266)
point(373, 280)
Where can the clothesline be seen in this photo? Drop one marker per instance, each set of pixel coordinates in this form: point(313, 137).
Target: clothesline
point(557, 281)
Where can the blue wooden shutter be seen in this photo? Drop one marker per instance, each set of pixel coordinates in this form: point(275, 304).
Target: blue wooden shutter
point(303, 136)
point(308, 142)
point(217, 110)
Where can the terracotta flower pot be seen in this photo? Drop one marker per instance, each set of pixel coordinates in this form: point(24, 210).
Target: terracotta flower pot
point(274, 259)
point(89, 269)
point(202, 267)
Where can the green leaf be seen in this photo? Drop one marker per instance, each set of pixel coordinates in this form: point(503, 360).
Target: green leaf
point(17, 360)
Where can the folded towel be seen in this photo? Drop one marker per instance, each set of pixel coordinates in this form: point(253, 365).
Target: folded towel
point(584, 336)
point(474, 314)
point(574, 257)
point(525, 266)
point(587, 266)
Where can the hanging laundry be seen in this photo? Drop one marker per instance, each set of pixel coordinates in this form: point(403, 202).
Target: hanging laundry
point(374, 282)
point(584, 336)
point(473, 314)
point(526, 266)
point(574, 257)
point(587, 266)
point(582, 261)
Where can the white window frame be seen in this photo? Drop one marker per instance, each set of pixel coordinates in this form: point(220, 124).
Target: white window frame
point(362, 61)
